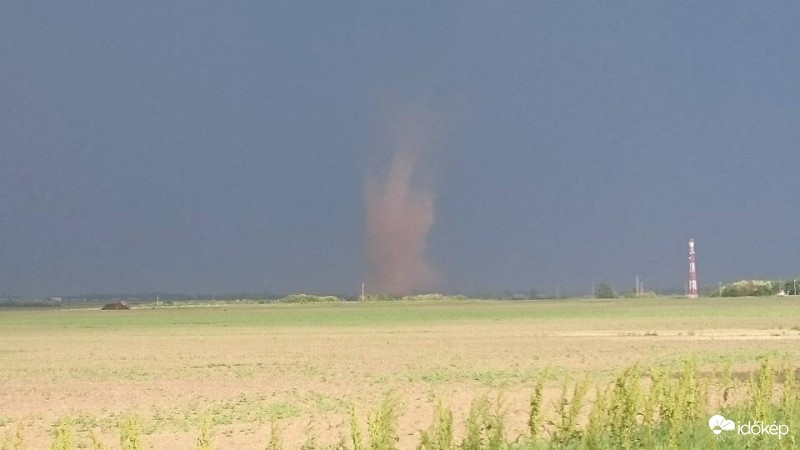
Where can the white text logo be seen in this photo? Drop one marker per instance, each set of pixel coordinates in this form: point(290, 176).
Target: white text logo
point(718, 424)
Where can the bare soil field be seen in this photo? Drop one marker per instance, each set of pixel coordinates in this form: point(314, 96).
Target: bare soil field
point(307, 366)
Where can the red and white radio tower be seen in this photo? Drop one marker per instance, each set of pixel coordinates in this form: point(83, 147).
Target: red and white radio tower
point(692, 271)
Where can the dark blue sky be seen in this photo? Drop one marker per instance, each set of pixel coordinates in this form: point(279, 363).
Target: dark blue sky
point(224, 147)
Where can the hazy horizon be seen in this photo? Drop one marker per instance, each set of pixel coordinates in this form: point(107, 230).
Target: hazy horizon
point(208, 148)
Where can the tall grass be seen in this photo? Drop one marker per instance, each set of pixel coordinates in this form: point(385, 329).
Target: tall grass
point(568, 410)
point(355, 430)
point(205, 439)
point(382, 425)
point(275, 440)
point(474, 438)
point(63, 435)
point(130, 433)
point(15, 440)
point(535, 411)
point(440, 434)
point(659, 408)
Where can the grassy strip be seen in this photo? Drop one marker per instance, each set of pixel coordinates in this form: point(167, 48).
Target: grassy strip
point(713, 312)
point(640, 409)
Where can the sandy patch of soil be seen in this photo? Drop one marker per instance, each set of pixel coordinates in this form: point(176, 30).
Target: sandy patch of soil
point(312, 375)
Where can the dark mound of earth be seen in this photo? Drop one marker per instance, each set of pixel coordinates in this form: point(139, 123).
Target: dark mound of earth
point(115, 306)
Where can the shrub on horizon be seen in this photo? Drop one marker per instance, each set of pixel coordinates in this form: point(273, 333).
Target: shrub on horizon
point(308, 298)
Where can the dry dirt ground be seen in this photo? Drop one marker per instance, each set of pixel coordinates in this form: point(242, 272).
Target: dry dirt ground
point(309, 377)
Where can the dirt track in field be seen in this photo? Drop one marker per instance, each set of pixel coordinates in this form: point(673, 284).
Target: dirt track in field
point(312, 375)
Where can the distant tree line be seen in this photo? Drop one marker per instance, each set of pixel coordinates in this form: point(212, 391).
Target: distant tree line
point(759, 288)
point(29, 303)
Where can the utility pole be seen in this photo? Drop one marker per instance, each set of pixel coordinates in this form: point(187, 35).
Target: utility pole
point(637, 287)
point(362, 292)
point(692, 271)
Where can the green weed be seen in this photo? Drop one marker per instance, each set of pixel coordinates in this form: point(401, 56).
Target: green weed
point(311, 439)
point(13, 441)
point(476, 424)
point(95, 441)
point(355, 430)
point(440, 434)
point(64, 435)
point(496, 425)
point(535, 411)
point(625, 400)
point(382, 425)
point(205, 440)
point(130, 433)
point(275, 441)
point(567, 411)
point(599, 426)
point(663, 408)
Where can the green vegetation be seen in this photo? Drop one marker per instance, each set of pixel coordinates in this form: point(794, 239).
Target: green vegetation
point(30, 303)
point(95, 442)
point(440, 434)
point(64, 435)
point(757, 288)
point(638, 410)
point(535, 411)
point(13, 441)
point(792, 287)
point(355, 430)
point(306, 298)
point(710, 310)
point(205, 438)
point(605, 290)
point(413, 347)
point(382, 425)
point(751, 288)
point(661, 408)
point(275, 441)
point(130, 433)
